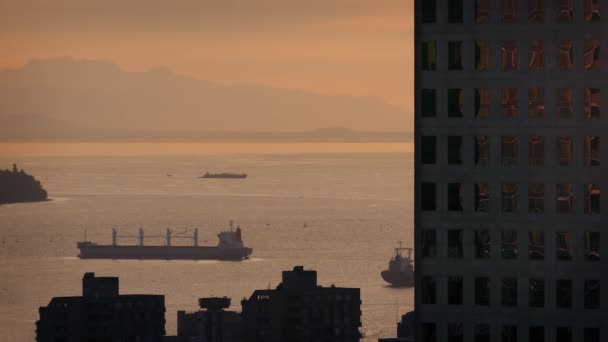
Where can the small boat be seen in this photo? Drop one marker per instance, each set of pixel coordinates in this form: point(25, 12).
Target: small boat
point(400, 269)
point(225, 175)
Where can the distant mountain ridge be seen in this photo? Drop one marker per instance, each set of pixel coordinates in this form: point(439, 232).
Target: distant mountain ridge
point(76, 98)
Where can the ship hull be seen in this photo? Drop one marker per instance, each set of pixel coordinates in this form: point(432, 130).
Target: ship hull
point(401, 279)
point(163, 252)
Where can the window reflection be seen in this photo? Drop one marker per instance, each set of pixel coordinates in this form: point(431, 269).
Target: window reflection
point(564, 150)
point(592, 151)
point(509, 150)
point(509, 55)
point(509, 10)
point(592, 54)
point(509, 197)
point(536, 102)
point(482, 55)
point(592, 103)
point(536, 198)
point(482, 11)
point(565, 11)
point(509, 102)
point(536, 55)
point(592, 10)
point(592, 246)
point(592, 199)
point(536, 150)
point(482, 150)
point(564, 246)
point(565, 55)
point(482, 197)
point(483, 102)
point(536, 245)
point(536, 11)
point(509, 244)
point(564, 198)
point(565, 107)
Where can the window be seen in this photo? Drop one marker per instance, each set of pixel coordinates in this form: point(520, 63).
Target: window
point(429, 290)
point(592, 246)
point(509, 197)
point(429, 11)
point(564, 198)
point(565, 108)
point(482, 244)
point(536, 245)
point(536, 334)
point(536, 103)
point(429, 332)
point(536, 292)
point(454, 196)
point(455, 103)
point(592, 199)
point(592, 294)
point(428, 149)
point(563, 292)
point(509, 150)
point(509, 55)
point(563, 334)
point(592, 151)
point(482, 150)
point(592, 54)
point(429, 196)
point(429, 55)
point(483, 102)
point(482, 11)
point(509, 291)
point(429, 103)
point(509, 244)
point(536, 55)
point(565, 11)
point(564, 245)
point(536, 198)
point(482, 197)
point(592, 335)
point(455, 332)
point(455, 290)
point(509, 10)
point(509, 102)
point(482, 291)
point(592, 103)
point(429, 243)
point(482, 55)
point(565, 56)
point(536, 150)
point(536, 11)
point(454, 150)
point(564, 150)
point(455, 11)
point(482, 333)
point(454, 55)
point(455, 243)
point(592, 10)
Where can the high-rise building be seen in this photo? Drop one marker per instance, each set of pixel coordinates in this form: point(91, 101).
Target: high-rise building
point(509, 224)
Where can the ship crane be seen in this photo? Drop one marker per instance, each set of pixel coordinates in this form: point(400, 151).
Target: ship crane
point(169, 235)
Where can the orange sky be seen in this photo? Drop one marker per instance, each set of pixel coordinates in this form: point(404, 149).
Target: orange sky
point(333, 47)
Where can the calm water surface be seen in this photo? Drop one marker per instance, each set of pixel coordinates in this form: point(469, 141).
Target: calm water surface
point(338, 213)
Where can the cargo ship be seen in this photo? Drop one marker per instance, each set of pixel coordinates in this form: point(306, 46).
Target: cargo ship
point(400, 269)
point(229, 247)
point(226, 175)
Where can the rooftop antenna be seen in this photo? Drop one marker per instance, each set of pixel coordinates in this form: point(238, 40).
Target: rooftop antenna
point(231, 224)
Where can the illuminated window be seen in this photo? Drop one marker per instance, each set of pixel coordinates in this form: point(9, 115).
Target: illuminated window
point(592, 54)
point(482, 150)
point(509, 150)
point(482, 11)
point(592, 199)
point(592, 10)
point(565, 108)
point(454, 150)
point(592, 151)
point(564, 198)
point(482, 244)
point(509, 292)
point(592, 246)
point(482, 197)
point(429, 102)
point(563, 293)
point(509, 102)
point(482, 55)
point(429, 11)
point(565, 11)
point(483, 102)
point(536, 103)
point(592, 103)
point(536, 292)
point(509, 55)
point(564, 245)
point(455, 103)
point(455, 243)
point(536, 11)
point(455, 8)
point(536, 150)
point(429, 55)
point(536, 245)
point(509, 244)
point(455, 290)
point(454, 55)
point(536, 198)
point(536, 55)
point(455, 196)
point(455, 332)
point(509, 10)
point(565, 56)
point(564, 150)
point(482, 291)
point(592, 294)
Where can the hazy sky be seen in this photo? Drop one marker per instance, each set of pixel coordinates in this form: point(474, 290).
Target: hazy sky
point(336, 47)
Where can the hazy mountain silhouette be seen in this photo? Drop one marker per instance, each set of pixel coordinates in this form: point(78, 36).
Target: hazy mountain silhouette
point(72, 97)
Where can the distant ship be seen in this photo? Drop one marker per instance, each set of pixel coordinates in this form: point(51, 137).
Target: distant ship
point(230, 247)
point(224, 175)
point(400, 269)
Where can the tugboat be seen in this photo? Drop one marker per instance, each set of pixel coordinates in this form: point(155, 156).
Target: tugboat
point(400, 269)
point(225, 175)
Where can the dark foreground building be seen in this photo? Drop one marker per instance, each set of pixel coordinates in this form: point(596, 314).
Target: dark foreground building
point(101, 314)
point(299, 310)
point(211, 324)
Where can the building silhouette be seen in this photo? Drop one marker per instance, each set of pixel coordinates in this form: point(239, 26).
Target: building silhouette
point(301, 310)
point(508, 219)
point(211, 324)
point(102, 314)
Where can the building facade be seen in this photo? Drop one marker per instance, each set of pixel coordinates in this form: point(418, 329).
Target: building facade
point(210, 324)
point(509, 221)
